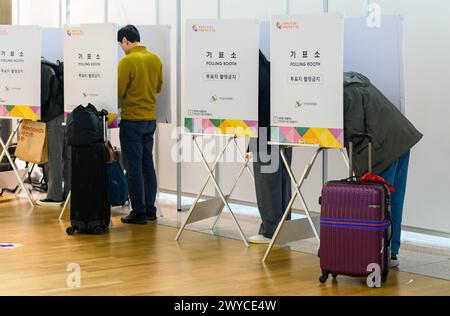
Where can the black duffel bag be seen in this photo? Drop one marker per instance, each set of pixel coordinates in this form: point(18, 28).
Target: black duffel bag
point(85, 126)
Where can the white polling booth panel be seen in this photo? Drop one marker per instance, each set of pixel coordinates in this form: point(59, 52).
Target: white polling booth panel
point(220, 94)
point(20, 71)
point(157, 39)
point(377, 51)
point(306, 80)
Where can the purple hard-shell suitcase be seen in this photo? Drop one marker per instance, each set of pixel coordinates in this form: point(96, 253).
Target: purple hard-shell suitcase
point(354, 225)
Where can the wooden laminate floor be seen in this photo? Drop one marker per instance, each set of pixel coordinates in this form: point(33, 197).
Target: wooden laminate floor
point(145, 260)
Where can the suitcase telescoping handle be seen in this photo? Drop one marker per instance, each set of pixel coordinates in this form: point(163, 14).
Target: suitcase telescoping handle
point(104, 115)
point(352, 138)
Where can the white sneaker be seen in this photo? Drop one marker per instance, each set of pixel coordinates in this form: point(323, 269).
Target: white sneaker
point(50, 203)
point(259, 239)
point(394, 262)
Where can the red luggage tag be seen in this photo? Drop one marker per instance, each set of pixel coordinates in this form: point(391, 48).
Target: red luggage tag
point(371, 177)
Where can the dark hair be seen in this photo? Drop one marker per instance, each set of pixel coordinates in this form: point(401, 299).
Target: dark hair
point(130, 32)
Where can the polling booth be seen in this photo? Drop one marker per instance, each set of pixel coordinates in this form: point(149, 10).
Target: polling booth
point(91, 57)
point(90, 71)
point(90, 68)
point(20, 82)
point(306, 102)
point(220, 98)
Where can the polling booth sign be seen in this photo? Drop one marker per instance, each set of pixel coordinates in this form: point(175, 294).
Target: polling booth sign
point(307, 80)
point(20, 72)
point(90, 68)
point(221, 77)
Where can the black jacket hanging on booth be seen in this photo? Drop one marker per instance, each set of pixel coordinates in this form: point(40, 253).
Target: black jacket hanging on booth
point(367, 110)
point(52, 91)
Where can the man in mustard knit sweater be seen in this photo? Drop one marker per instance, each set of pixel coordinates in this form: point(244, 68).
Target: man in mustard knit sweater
point(140, 80)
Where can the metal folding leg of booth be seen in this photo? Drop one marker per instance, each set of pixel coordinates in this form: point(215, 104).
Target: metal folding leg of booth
point(213, 207)
point(304, 228)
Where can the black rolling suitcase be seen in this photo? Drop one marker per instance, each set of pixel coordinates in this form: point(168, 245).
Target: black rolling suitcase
point(90, 211)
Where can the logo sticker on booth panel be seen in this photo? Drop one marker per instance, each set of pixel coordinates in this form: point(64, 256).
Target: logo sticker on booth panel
point(239, 128)
point(325, 137)
point(22, 111)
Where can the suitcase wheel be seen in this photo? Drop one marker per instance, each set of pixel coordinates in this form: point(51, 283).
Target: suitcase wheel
point(98, 230)
point(324, 277)
point(384, 277)
point(70, 231)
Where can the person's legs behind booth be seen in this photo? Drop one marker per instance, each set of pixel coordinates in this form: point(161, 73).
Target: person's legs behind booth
point(57, 169)
point(273, 193)
point(397, 175)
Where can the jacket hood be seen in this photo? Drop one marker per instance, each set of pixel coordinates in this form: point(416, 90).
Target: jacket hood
point(355, 79)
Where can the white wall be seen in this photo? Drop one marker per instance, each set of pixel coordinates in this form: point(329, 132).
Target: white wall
point(137, 12)
point(305, 6)
point(251, 9)
point(48, 12)
point(427, 29)
point(87, 11)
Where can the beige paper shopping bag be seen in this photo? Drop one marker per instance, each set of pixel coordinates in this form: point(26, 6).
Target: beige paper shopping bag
point(32, 142)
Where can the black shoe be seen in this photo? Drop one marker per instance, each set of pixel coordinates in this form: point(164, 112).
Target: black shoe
point(134, 219)
point(151, 216)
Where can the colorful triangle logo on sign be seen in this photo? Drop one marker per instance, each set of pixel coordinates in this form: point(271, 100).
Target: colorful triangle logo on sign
point(4, 111)
point(188, 124)
point(24, 112)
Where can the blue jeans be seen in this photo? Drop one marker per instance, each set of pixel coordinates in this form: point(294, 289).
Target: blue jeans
point(397, 174)
point(136, 141)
